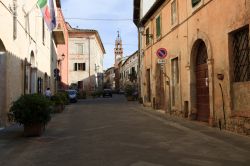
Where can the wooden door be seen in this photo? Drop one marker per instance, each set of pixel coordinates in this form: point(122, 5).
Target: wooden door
point(202, 84)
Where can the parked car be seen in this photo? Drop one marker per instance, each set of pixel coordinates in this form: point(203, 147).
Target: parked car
point(107, 92)
point(72, 94)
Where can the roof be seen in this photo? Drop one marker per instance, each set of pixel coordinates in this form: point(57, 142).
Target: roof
point(77, 30)
point(58, 3)
point(130, 57)
point(151, 11)
point(111, 68)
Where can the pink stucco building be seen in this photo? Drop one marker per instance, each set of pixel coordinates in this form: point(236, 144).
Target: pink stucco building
point(62, 48)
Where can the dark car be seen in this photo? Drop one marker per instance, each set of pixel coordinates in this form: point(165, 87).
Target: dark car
point(107, 92)
point(72, 95)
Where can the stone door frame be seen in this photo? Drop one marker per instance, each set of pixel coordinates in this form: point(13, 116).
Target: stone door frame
point(191, 66)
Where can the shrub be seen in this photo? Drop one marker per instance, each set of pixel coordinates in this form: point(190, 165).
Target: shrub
point(31, 109)
point(82, 94)
point(129, 89)
point(57, 99)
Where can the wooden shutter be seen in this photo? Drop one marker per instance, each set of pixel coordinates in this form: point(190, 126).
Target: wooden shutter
point(158, 26)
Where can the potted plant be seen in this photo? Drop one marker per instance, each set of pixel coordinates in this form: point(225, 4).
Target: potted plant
point(33, 111)
point(58, 103)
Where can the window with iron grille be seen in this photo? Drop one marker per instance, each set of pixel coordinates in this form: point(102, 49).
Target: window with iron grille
point(241, 55)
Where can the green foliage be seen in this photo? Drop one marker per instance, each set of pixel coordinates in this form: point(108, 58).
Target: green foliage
point(129, 89)
point(64, 97)
point(57, 99)
point(96, 93)
point(82, 94)
point(30, 109)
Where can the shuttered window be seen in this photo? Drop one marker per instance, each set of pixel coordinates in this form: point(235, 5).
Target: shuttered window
point(81, 66)
point(75, 66)
point(158, 26)
point(147, 36)
point(195, 2)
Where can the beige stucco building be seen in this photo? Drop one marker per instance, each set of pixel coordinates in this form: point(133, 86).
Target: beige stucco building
point(206, 74)
point(85, 58)
point(129, 70)
point(27, 53)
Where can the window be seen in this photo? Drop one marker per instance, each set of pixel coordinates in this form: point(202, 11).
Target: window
point(175, 80)
point(79, 48)
point(14, 19)
point(195, 2)
point(175, 71)
point(75, 66)
point(173, 12)
point(81, 66)
point(158, 26)
point(241, 55)
point(43, 31)
point(147, 37)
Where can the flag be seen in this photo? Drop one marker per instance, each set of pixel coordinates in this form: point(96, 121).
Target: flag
point(48, 12)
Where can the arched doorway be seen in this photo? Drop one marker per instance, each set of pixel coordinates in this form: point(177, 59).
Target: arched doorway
point(202, 84)
point(2, 83)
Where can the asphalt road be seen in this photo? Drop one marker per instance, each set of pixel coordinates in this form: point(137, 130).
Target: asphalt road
point(114, 132)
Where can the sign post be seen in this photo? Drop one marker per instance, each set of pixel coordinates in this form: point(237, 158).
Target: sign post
point(161, 54)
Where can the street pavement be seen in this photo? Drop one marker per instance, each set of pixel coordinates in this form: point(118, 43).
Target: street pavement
point(115, 132)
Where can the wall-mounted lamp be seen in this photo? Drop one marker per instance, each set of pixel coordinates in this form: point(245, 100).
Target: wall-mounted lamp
point(220, 76)
point(141, 31)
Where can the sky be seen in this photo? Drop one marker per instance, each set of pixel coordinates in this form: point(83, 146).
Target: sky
point(120, 11)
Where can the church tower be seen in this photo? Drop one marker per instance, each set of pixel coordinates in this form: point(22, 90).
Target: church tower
point(118, 50)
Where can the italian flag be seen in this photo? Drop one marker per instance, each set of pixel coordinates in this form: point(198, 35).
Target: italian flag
point(48, 11)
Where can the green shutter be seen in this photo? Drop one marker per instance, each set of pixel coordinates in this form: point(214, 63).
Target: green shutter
point(147, 36)
point(195, 2)
point(158, 26)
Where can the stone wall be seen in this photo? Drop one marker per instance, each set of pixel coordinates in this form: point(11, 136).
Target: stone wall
point(240, 123)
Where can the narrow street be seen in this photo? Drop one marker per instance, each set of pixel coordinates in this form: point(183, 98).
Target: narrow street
point(114, 132)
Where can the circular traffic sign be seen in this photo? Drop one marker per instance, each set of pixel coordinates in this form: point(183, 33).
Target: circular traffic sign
point(162, 53)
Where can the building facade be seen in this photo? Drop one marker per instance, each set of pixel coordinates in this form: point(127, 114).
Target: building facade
point(85, 58)
point(129, 71)
point(206, 73)
point(27, 53)
point(109, 78)
point(61, 38)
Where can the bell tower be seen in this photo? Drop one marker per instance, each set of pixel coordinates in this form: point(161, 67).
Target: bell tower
point(118, 50)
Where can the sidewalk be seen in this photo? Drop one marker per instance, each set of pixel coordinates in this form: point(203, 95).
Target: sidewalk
point(196, 126)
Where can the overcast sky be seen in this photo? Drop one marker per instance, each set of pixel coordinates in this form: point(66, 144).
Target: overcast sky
point(104, 9)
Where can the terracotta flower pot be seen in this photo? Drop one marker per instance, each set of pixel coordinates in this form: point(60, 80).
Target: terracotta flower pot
point(58, 108)
point(34, 129)
point(130, 98)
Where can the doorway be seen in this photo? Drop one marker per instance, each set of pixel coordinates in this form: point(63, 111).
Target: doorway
point(202, 84)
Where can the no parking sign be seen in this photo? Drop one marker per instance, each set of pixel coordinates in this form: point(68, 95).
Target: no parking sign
point(162, 53)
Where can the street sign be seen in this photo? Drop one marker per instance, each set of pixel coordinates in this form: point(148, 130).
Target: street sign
point(161, 61)
point(162, 53)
